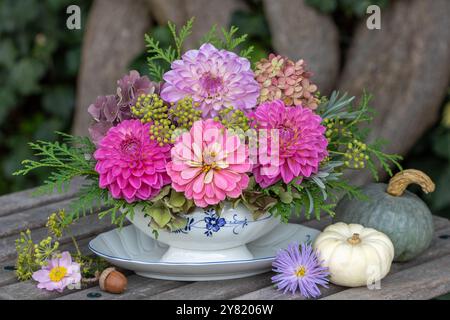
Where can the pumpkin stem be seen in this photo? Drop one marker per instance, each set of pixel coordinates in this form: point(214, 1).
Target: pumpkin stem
point(403, 179)
point(354, 239)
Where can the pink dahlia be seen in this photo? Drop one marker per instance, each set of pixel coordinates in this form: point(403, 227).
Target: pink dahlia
point(209, 164)
point(131, 165)
point(214, 78)
point(301, 142)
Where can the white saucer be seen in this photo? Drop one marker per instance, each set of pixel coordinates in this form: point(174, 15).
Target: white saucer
point(131, 249)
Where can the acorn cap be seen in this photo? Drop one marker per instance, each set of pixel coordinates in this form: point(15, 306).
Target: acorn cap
point(103, 276)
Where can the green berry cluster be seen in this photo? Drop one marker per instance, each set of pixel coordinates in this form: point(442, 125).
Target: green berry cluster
point(356, 154)
point(335, 127)
point(185, 113)
point(149, 107)
point(233, 119)
point(162, 131)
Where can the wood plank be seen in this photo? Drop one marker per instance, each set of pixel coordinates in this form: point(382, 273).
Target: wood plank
point(27, 290)
point(29, 219)
point(425, 281)
point(137, 288)
point(86, 226)
point(217, 290)
point(439, 247)
point(24, 200)
point(440, 222)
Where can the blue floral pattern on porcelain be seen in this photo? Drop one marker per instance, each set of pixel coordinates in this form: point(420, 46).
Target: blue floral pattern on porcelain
point(213, 223)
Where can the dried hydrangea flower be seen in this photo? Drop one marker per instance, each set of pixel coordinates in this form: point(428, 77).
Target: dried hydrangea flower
point(109, 111)
point(131, 86)
point(281, 78)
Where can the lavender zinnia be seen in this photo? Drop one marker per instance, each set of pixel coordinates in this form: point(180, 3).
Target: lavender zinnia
point(299, 268)
point(213, 78)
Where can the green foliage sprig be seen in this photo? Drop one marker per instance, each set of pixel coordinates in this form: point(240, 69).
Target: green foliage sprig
point(228, 40)
point(67, 160)
point(346, 134)
point(160, 59)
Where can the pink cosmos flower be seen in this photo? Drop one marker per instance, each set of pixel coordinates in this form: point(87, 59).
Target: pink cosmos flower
point(131, 165)
point(209, 164)
point(301, 143)
point(58, 273)
point(214, 78)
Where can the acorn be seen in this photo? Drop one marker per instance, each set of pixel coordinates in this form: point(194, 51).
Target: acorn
point(112, 281)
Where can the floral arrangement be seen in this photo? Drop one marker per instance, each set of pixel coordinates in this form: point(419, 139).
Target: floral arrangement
point(207, 126)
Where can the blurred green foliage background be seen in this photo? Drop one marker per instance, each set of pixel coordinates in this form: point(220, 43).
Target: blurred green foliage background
point(39, 60)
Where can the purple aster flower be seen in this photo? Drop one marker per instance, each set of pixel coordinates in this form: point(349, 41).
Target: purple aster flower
point(299, 268)
point(213, 78)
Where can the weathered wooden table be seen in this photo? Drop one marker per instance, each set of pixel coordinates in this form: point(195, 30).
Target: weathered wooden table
point(425, 277)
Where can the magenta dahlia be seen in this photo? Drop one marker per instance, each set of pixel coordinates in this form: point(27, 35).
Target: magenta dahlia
point(214, 78)
point(131, 165)
point(209, 164)
point(301, 143)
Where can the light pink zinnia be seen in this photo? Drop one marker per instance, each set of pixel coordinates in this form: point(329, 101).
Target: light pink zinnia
point(130, 164)
point(301, 142)
point(214, 78)
point(209, 164)
point(58, 273)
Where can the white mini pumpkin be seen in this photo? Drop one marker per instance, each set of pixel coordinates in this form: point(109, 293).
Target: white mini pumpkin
point(356, 256)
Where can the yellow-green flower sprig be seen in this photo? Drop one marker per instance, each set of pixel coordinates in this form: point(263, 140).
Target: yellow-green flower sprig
point(55, 223)
point(356, 154)
point(185, 113)
point(45, 250)
point(149, 107)
point(25, 263)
